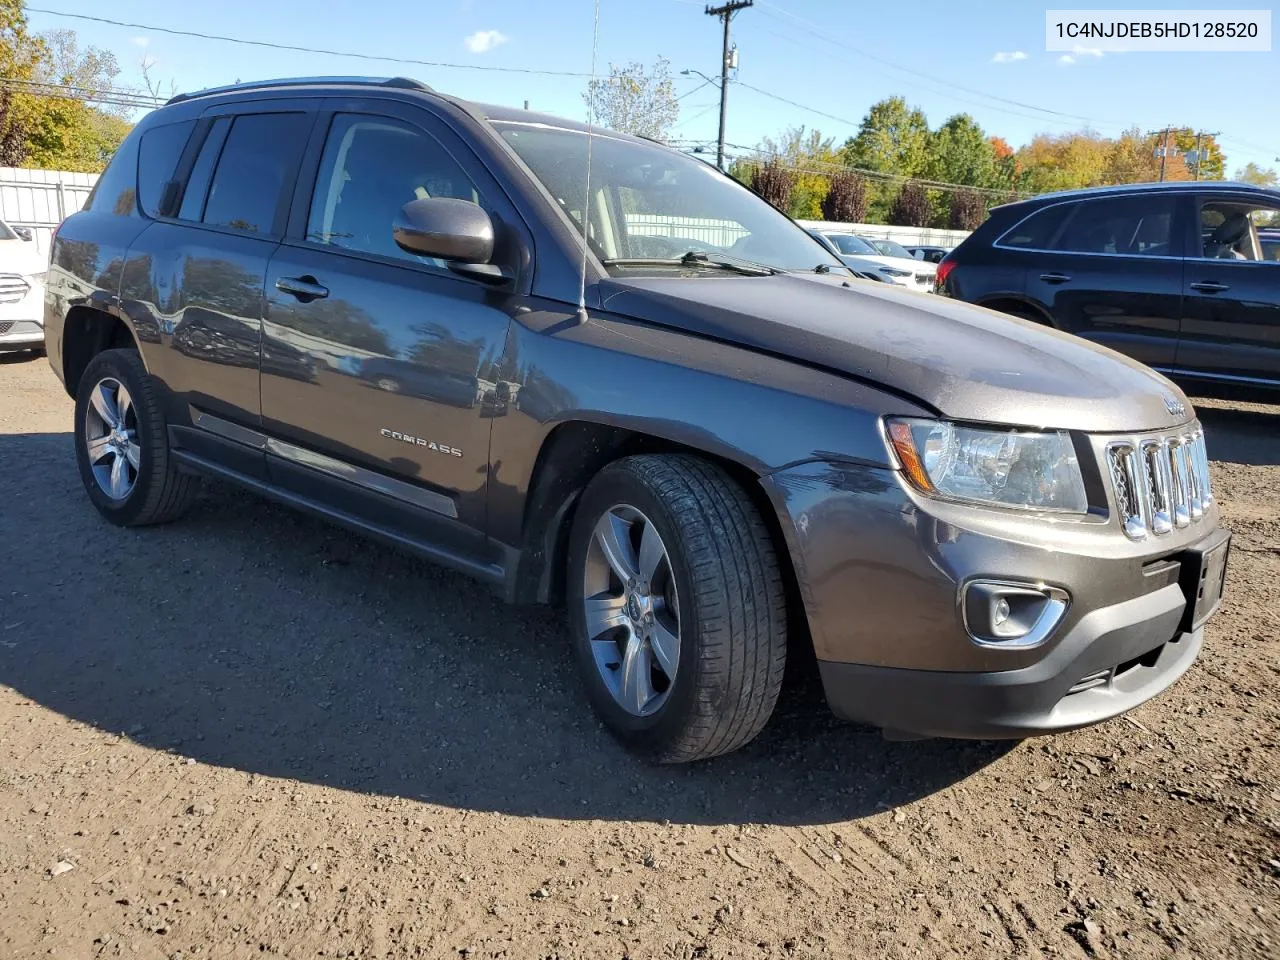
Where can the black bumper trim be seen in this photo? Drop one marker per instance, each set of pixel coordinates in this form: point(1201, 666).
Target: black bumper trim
point(1034, 700)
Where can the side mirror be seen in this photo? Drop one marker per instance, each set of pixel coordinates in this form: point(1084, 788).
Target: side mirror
point(24, 232)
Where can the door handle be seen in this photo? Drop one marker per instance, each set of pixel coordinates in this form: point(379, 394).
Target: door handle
point(1054, 277)
point(305, 288)
point(1209, 286)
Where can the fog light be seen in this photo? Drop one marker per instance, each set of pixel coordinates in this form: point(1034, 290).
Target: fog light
point(1002, 611)
point(1003, 614)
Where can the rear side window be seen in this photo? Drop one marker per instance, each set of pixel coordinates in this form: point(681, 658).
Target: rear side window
point(1135, 226)
point(116, 191)
point(1037, 231)
point(255, 171)
point(158, 156)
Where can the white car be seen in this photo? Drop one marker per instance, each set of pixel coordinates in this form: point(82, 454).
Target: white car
point(22, 271)
point(862, 258)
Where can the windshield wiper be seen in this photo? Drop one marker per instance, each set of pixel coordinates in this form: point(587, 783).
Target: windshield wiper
point(696, 258)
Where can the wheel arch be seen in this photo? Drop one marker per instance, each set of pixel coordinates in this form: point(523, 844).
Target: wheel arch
point(87, 332)
point(570, 456)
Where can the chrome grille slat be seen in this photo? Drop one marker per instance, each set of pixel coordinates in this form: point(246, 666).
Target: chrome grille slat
point(12, 288)
point(1160, 483)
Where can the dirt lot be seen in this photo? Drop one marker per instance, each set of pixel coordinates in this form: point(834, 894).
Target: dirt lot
point(249, 734)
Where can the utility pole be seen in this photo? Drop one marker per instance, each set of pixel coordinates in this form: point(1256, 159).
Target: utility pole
point(1200, 157)
point(1164, 150)
point(725, 13)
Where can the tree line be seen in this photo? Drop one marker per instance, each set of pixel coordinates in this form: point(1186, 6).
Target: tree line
point(897, 169)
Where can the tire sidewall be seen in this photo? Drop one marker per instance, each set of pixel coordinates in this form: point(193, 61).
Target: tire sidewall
point(116, 364)
point(653, 733)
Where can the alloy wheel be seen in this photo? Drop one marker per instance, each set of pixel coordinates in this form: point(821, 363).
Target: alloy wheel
point(631, 610)
point(111, 438)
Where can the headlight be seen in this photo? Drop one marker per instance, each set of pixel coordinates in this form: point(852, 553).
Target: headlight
point(37, 277)
point(894, 272)
point(1005, 468)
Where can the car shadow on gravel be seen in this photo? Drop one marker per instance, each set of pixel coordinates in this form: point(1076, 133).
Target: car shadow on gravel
point(1244, 436)
point(250, 637)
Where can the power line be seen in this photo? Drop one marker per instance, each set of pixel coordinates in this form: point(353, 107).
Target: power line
point(55, 91)
point(300, 49)
point(773, 10)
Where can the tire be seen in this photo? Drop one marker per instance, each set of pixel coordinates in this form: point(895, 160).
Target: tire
point(728, 598)
point(154, 491)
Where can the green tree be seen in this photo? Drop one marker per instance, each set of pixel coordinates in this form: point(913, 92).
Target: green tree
point(635, 100)
point(20, 57)
point(960, 152)
point(892, 138)
point(1262, 176)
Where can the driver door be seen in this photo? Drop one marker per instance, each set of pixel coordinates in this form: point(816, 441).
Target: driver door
point(373, 357)
point(1231, 307)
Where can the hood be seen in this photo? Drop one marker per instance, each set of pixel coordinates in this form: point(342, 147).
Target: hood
point(966, 362)
point(896, 263)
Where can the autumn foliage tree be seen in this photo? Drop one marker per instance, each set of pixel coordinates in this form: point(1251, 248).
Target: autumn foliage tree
point(846, 201)
point(774, 182)
point(968, 210)
point(911, 207)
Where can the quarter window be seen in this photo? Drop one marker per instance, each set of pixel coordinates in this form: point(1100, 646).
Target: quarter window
point(372, 166)
point(1134, 226)
point(158, 156)
point(1037, 231)
point(255, 171)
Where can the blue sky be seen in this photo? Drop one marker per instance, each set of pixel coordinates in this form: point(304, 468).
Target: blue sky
point(833, 56)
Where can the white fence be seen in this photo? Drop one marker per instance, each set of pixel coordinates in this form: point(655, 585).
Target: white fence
point(41, 199)
point(723, 233)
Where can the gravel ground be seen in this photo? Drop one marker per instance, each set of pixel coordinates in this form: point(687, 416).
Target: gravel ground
point(250, 734)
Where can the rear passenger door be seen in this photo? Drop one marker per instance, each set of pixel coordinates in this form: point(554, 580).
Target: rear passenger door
point(200, 266)
point(402, 350)
point(1113, 274)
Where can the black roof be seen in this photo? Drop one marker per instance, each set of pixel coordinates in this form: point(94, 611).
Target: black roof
point(1168, 186)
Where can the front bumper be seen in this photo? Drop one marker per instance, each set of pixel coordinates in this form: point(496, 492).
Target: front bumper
point(1114, 660)
point(22, 322)
point(881, 570)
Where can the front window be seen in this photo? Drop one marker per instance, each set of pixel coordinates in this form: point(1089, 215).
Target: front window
point(850, 245)
point(648, 202)
point(1229, 230)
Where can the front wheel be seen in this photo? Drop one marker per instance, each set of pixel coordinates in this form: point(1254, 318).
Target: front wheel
point(676, 607)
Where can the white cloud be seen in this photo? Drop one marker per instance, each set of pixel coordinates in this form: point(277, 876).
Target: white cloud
point(1008, 57)
point(1077, 54)
point(483, 40)
point(143, 42)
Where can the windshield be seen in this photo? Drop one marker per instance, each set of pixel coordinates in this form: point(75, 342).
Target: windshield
point(890, 249)
point(850, 245)
point(6, 233)
point(651, 203)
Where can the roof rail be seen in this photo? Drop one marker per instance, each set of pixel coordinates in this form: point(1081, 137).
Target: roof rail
point(403, 83)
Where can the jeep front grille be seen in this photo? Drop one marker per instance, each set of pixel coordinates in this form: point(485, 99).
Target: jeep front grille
point(12, 288)
point(1160, 483)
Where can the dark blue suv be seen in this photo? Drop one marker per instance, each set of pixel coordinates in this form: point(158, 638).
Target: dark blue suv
point(1181, 276)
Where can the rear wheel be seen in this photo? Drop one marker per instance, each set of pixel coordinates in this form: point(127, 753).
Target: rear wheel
point(676, 606)
point(122, 445)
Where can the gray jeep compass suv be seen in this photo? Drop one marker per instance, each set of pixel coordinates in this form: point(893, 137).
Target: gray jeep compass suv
point(695, 429)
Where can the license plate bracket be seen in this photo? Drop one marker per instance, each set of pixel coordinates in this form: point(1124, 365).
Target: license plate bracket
point(1204, 572)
